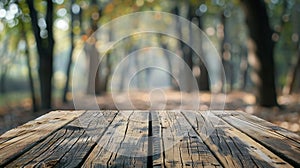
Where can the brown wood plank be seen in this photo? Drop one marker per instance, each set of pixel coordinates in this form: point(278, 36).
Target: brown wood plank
point(232, 147)
point(17, 141)
point(277, 140)
point(182, 146)
point(261, 123)
point(69, 146)
point(124, 144)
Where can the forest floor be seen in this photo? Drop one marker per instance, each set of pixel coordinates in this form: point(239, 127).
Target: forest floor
point(288, 117)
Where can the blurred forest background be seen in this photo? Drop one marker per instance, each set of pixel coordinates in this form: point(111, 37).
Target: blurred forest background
point(258, 42)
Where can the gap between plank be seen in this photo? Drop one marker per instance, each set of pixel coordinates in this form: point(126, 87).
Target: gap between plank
point(150, 146)
point(95, 144)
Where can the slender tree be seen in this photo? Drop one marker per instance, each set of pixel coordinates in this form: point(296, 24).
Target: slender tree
point(291, 77)
point(186, 53)
point(168, 59)
point(294, 70)
point(225, 52)
point(30, 76)
point(66, 89)
point(4, 67)
point(45, 45)
point(108, 61)
point(4, 70)
point(244, 68)
point(92, 52)
point(203, 80)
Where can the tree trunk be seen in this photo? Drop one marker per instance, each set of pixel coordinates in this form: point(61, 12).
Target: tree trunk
point(68, 73)
point(92, 52)
point(3, 79)
point(108, 72)
point(291, 77)
point(169, 62)
point(243, 69)
point(123, 77)
point(45, 47)
point(187, 51)
point(294, 70)
point(93, 76)
point(4, 68)
point(186, 84)
point(262, 48)
point(108, 61)
point(226, 54)
point(203, 80)
point(30, 76)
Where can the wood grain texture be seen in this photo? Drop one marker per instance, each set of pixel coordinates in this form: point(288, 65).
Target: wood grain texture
point(281, 142)
point(182, 146)
point(17, 141)
point(169, 138)
point(70, 145)
point(232, 147)
point(124, 144)
point(260, 122)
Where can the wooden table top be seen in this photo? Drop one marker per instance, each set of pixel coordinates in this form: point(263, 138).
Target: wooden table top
point(149, 139)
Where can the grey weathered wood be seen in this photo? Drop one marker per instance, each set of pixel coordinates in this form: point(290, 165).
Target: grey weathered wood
point(17, 141)
point(149, 139)
point(276, 139)
point(156, 140)
point(124, 144)
point(69, 146)
point(182, 146)
point(261, 123)
point(232, 147)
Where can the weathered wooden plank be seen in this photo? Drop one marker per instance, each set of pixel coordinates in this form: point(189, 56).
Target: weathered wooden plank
point(156, 140)
point(232, 147)
point(17, 141)
point(94, 130)
point(182, 146)
point(261, 123)
point(275, 139)
point(124, 144)
point(149, 139)
point(69, 146)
